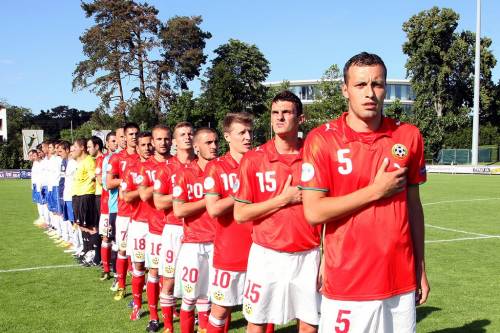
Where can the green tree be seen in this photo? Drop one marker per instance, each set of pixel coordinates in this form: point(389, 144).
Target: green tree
point(234, 81)
point(11, 152)
point(329, 103)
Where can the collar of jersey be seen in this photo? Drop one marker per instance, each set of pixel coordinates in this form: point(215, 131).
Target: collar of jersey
point(231, 161)
point(349, 135)
point(270, 149)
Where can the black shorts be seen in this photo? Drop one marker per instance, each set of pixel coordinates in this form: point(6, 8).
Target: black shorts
point(112, 226)
point(98, 204)
point(85, 210)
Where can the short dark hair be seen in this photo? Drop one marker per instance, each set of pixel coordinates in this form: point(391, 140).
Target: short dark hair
point(96, 141)
point(161, 127)
point(144, 134)
point(82, 143)
point(244, 118)
point(110, 134)
point(364, 59)
point(33, 151)
point(288, 96)
point(130, 125)
point(64, 145)
point(202, 130)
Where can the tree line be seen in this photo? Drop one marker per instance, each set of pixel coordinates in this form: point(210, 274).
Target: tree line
point(140, 68)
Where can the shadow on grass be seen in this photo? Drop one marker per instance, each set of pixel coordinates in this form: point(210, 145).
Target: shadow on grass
point(477, 326)
point(424, 311)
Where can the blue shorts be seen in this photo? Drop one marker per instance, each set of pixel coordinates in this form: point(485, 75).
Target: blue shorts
point(53, 200)
point(43, 195)
point(68, 212)
point(33, 194)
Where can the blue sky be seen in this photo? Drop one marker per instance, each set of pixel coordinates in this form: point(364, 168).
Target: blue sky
point(40, 46)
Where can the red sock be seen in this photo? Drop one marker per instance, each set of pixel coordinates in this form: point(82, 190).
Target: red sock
point(269, 328)
point(202, 319)
point(187, 321)
point(215, 326)
point(167, 304)
point(121, 271)
point(138, 279)
point(153, 292)
point(228, 323)
point(105, 255)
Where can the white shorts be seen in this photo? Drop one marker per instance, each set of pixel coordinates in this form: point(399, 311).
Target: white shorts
point(104, 225)
point(153, 250)
point(193, 266)
point(171, 240)
point(136, 241)
point(281, 286)
point(226, 287)
point(122, 223)
point(395, 314)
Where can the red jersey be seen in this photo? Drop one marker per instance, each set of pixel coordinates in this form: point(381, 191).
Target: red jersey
point(232, 240)
point(116, 167)
point(263, 174)
point(188, 187)
point(368, 254)
point(104, 194)
point(131, 183)
point(147, 177)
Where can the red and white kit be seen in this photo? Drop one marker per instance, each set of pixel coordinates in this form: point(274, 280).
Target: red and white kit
point(284, 258)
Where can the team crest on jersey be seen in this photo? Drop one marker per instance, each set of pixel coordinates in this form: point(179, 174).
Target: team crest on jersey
point(109, 167)
point(247, 308)
point(307, 172)
point(139, 255)
point(177, 191)
point(139, 179)
point(399, 151)
point(98, 170)
point(156, 261)
point(218, 295)
point(157, 184)
point(123, 245)
point(209, 183)
point(123, 186)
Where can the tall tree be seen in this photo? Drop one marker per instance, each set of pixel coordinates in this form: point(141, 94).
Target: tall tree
point(234, 81)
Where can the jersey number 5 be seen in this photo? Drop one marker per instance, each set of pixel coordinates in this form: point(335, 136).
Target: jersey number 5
point(346, 168)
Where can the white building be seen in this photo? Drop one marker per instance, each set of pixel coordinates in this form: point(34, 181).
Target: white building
point(3, 124)
point(396, 89)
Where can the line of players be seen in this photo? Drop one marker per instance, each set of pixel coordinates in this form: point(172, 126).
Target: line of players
point(223, 231)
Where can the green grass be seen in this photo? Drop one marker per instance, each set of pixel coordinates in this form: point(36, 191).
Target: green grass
point(464, 275)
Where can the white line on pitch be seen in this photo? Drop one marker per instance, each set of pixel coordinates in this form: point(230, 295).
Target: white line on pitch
point(461, 231)
point(463, 200)
point(458, 239)
point(35, 268)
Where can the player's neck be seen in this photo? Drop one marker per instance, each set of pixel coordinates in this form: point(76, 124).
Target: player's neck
point(363, 125)
point(161, 157)
point(202, 163)
point(185, 156)
point(81, 157)
point(235, 155)
point(131, 150)
point(287, 143)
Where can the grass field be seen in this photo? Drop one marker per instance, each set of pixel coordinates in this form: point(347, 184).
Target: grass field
point(463, 242)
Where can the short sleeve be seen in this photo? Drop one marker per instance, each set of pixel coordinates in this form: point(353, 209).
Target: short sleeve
point(98, 166)
point(243, 190)
point(212, 183)
point(114, 165)
point(314, 175)
point(163, 182)
point(146, 176)
point(417, 173)
point(129, 180)
point(179, 186)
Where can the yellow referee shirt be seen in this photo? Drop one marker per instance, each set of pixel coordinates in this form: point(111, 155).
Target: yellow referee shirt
point(84, 178)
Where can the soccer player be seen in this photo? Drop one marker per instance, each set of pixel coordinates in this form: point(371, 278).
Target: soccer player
point(232, 241)
point(106, 216)
point(95, 147)
point(172, 231)
point(138, 228)
point(162, 141)
point(116, 169)
point(284, 257)
point(84, 198)
point(36, 183)
point(63, 151)
point(360, 178)
point(195, 256)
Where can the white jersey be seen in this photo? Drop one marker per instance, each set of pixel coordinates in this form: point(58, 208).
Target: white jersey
point(35, 175)
point(68, 179)
point(44, 171)
point(54, 170)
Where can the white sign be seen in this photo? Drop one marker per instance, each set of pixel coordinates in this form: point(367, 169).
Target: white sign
point(464, 169)
point(31, 139)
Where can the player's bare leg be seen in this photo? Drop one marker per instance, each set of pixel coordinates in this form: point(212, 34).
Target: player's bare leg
point(305, 327)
